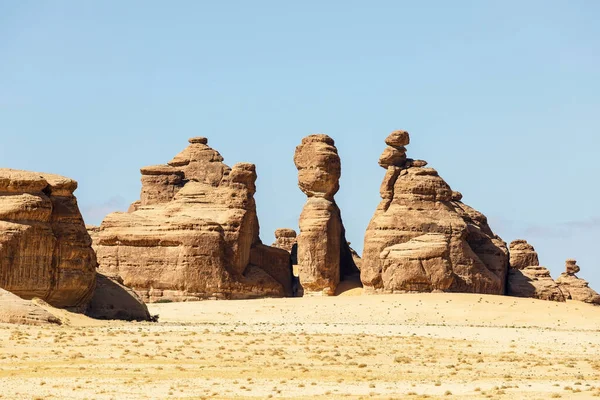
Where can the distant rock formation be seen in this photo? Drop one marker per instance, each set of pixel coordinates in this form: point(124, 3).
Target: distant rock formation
point(423, 238)
point(526, 278)
point(285, 239)
point(45, 250)
point(15, 310)
point(193, 234)
point(324, 257)
point(575, 288)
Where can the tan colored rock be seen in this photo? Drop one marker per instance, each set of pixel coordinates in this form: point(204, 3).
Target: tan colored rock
point(398, 139)
point(526, 278)
point(15, 310)
point(575, 288)
point(324, 257)
point(192, 234)
point(114, 301)
point(423, 238)
point(45, 250)
point(285, 239)
point(522, 254)
point(534, 282)
point(392, 156)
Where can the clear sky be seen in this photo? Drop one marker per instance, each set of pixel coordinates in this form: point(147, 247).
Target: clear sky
point(501, 97)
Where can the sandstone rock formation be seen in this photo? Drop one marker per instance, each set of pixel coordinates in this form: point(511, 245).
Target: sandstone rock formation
point(423, 238)
point(575, 288)
point(15, 310)
point(285, 239)
point(526, 278)
point(193, 234)
point(324, 257)
point(45, 250)
point(113, 300)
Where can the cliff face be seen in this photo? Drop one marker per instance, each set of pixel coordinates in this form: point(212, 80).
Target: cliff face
point(193, 234)
point(45, 250)
point(423, 238)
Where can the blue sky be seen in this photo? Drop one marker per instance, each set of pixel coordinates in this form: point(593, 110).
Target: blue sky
point(501, 97)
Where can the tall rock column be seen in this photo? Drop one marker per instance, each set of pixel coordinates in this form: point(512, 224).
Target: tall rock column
point(321, 243)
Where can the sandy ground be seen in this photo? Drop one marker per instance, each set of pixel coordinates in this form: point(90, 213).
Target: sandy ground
point(380, 347)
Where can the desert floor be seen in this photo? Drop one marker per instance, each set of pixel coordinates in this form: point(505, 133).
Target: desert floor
point(381, 347)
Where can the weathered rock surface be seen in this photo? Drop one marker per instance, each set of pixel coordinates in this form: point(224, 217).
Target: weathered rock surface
point(324, 257)
point(113, 300)
point(193, 234)
point(575, 288)
point(522, 254)
point(45, 250)
point(285, 239)
point(526, 278)
point(15, 310)
point(423, 238)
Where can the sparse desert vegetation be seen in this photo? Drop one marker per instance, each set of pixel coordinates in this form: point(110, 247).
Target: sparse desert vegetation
point(379, 347)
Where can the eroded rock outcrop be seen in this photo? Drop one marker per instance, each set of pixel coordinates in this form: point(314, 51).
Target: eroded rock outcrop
point(15, 310)
point(423, 238)
point(285, 239)
point(575, 288)
point(526, 278)
point(324, 257)
point(193, 234)
point(45, 250)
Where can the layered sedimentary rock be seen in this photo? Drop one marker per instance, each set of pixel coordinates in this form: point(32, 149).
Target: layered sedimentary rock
point(285, 239)
point(526, 278)
point(45, 250)
point(575, 288)
point(15, 310)
point(324, 257)
point(193, 234)
point(423, 238)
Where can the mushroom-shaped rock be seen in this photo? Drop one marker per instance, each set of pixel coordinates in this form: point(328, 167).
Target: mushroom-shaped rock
point(324, 257)
point(285, 239)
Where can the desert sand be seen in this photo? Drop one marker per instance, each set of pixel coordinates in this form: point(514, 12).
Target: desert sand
point(349, 346)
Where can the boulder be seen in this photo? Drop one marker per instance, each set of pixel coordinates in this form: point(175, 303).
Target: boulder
point(45, 250)
point(193, 234)
point(422, 238)
point(324, 257)
point(575, 288)
point(114, 301)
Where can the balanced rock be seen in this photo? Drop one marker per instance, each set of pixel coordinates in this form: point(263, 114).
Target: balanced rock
point(422, 238)
point(45, 250)
point(324, 257)
point(193, 234)
point(575, 288)
point(526, 278)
